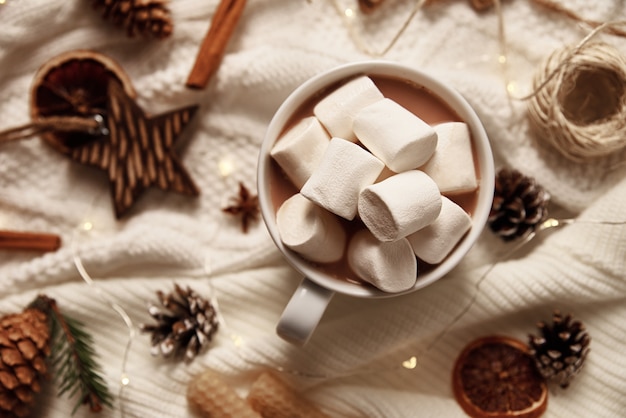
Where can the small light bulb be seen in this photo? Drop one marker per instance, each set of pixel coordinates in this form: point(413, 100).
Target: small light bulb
point(87, 226)
point(348, 12)
point(410, 363)
point(237, 340)
point(550, 223)
point(511, 87)
point(502, 59)
point(125, 380)
point(225, 166)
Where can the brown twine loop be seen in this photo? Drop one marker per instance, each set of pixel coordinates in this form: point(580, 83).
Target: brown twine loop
point(92, 125)
point(578, 100)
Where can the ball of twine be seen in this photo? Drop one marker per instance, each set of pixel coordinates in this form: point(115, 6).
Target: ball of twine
point(579, 105)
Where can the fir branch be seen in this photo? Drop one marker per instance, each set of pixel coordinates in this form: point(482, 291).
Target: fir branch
point(74, 359)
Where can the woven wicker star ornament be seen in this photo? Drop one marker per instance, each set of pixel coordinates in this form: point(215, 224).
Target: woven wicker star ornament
point(137, 152)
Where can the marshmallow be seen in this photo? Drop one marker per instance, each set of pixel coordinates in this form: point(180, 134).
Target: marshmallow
point(345, 169)
point(433, 243)
point(337, 110)
point(452, 164)
point(309, 230)
point(299, 150)
point(390, 266)
point(399, 205)
point(395, 135)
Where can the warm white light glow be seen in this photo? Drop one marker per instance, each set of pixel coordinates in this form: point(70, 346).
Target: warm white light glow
point(237, 340)
point(511, 87)
point(550, 223)
point(125, 380)
point(410, 363)
point(348, 12)
point(225, 166)
point(87, 226)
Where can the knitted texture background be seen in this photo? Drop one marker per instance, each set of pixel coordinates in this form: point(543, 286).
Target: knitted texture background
point(352, 365)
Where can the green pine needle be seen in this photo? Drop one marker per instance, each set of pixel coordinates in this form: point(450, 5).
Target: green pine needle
point(74, 359)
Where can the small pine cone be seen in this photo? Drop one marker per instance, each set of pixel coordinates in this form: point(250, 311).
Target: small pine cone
point(480, 5)
point(187, 325)
point(561, 349)
point(519, 205)
point(24, 347)
point(150, 18)
point(369, 6)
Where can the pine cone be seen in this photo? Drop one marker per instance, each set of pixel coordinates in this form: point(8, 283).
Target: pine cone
point(481, 5)
point(188, 326)
point(150, 18)
point(369, 6)
point(519, 205)
point(561, 349)
point(24, 347)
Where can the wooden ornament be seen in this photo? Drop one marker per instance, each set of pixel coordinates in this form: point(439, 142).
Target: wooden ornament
point(134, 149)
point(74, 84)
point(138, 150)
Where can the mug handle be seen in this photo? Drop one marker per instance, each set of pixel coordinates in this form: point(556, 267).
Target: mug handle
point(303, 312)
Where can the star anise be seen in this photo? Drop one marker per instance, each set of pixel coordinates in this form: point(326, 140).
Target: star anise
point(246, 206)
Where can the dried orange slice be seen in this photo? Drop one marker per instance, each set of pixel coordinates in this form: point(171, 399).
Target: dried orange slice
point(496, 377)
point(74, 83)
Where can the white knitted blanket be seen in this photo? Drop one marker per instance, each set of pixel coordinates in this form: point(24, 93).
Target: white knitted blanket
point(352, 367)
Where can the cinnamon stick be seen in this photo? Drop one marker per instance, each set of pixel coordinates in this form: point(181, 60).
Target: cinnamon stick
point(213, 46)
point(34, 241)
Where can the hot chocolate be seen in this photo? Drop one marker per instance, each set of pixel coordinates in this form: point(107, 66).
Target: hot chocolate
point(416, 99)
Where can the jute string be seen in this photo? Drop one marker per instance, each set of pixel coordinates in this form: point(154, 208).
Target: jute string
point(53, 124)
point(581, 111)
point(578, 99)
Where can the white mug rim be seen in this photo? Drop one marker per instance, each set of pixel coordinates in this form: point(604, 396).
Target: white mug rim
point(448, 95)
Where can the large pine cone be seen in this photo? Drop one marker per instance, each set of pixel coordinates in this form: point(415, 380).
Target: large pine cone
point(150, 18)
point(561, 349)
point(519, 205)
point(186, 325)
point(24, 347)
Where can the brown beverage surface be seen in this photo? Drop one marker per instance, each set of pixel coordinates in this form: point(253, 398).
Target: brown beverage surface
point(420, 101)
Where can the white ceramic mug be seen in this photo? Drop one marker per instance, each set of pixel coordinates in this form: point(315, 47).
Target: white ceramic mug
point(308, 303)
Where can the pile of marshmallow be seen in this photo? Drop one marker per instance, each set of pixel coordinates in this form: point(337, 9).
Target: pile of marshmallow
point(362, 154)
